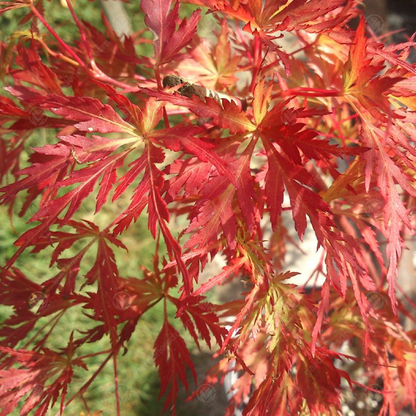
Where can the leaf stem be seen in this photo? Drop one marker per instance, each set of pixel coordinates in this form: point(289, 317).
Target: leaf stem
point(81, 31)
point(87, 384)
point(116, 383)
point(57, 54)
point(57, 37)
point(94, 72)
point(257, 63)
point(311, 92)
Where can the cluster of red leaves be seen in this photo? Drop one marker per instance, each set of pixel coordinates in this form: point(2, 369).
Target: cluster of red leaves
point(224, 168)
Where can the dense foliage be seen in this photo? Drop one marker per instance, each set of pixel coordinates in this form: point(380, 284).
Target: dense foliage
point(331, 124)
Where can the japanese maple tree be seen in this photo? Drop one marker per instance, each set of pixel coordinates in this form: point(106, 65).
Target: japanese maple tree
point(209, 134)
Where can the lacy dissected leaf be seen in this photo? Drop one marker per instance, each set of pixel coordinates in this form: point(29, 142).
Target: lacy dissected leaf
point(306, 143)
point(213, 214)
point(47, 174)
point(287, 172)
point(407, 375)
point(37, 368)
point(185, 180)
point(172, 359)
point(211, 170)
point(283, 400)
point(389, 173)
point(35, 72)
point(356, 61)
point(200, 319)
point(88, 114)
point(150, 186)
point(19, 292)
point(212, 67)
point(283, 174)
point(272, 16)
point(65, 240)
point(279, 317)
point(115, 56)
point(181, 137)
point(69, 267)
point(162, 21)
point(280, 123)
point(142, 292)
point(88, 178)
point(136, 296)
point(227, 115)
point(105, 302)
point(25, 119)
point(361, 79)
point(345, 263)
point(48, 164)
point(259, 370)
point(148, 193)
point(10, 153)
point(365, 209)
point(215, 208)
point(318, 380)
point(145, 118)
point(279, 304)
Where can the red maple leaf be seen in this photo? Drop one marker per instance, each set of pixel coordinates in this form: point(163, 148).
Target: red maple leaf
point(162, 21)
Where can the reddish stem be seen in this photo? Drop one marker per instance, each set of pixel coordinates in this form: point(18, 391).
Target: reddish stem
point(311, 92)
point(57, 37)
point(81, 30)
point(95, 73)
point(88, 383)
point(116, 382)
point(257, 63)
